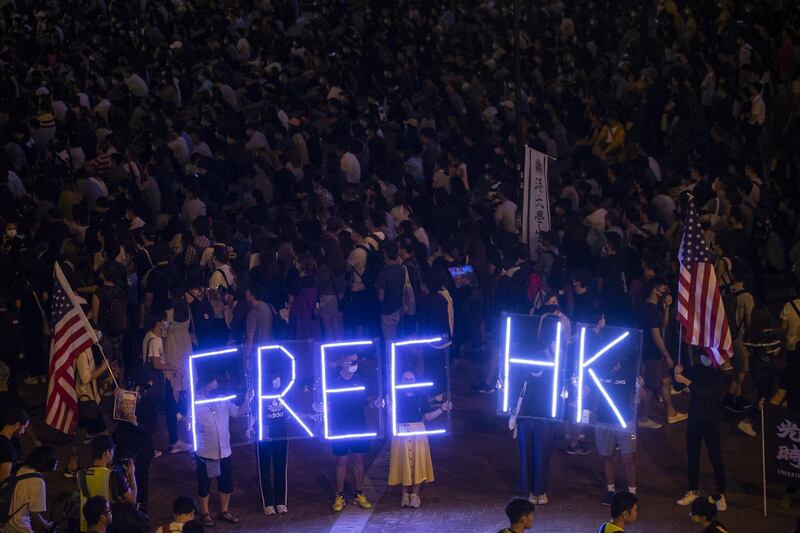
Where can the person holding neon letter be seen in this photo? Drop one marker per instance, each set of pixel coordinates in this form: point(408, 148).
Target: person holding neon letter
point(213, 445)
point(347, 416)
point(410, 462)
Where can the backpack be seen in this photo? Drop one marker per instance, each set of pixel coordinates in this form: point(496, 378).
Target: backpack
point(113, 311)
point(65, 512)
point(729, 302)
point(373, 265)
point(7, 494)
point(537, 290)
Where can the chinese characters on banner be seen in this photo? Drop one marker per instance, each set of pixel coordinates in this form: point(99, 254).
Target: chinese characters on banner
point(782, 444)
point(536, 200)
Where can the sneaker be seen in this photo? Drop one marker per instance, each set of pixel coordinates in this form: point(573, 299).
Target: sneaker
point(531, 498)
point(31, 380)
point(282, 509)
point(786, 501)
point(157, 454)
point(338, 503)
point(719, 500)
point(178, 447)
point(404, 500)
point(486, 389)
point(362, 501)
point(746, 427)
point(269, 510)
point(674, 392)
point(541, 499)
point(578, 449)
point(606, 500)
point(414, 501)
point(679, 417)
point(731, 404)
point(688, 498)
point(649, 424)
point(70, 473)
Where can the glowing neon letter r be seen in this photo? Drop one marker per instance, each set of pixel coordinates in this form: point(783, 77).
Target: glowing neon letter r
point(279, 351)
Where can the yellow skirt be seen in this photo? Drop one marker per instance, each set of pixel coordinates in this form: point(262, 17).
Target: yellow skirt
point(410, 458)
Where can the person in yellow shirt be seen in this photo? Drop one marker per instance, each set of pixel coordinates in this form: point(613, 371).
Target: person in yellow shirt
point(624, 511)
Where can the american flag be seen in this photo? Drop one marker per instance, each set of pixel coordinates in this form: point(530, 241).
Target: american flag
point(700, 308)
point(72, 334)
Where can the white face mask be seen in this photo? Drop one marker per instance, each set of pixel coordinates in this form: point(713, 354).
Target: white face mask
point(353, 368)
point(276, 383)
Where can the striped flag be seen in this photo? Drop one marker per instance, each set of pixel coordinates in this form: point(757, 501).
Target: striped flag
point(72, 334)
point(700, 308)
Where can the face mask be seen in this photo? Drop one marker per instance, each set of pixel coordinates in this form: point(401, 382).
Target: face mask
point(11, 233)
point(352, 368)
point(276, 383)
point(550, 308)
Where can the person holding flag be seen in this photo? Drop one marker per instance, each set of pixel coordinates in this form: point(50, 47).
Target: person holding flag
point(703, 321)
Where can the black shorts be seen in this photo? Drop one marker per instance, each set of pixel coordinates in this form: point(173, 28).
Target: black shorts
point(224, 481)
point(346, 447)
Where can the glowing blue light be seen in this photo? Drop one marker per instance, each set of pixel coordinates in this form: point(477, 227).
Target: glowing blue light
point(325, 391)
point(216, 400)
point(279, 396)
point(533, 362)
point(506, 365)
point(192, 394)
point(608, 398)
point(427, 432)
point(556, 369)
point(394, 386)
point(585, 365)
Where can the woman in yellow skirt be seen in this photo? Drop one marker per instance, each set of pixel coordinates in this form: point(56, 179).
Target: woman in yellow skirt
point(410, 462)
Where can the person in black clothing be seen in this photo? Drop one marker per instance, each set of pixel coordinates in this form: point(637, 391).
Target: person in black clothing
point(706, 384)
point(273, 453)
point(15, 423)
point(12, 352)
point(789, 392)
point(704, 512)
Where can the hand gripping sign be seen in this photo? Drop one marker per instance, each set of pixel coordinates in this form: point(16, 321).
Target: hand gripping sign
point(419, 386)
point(285, 390)
point(350, 394)
point(547, 372)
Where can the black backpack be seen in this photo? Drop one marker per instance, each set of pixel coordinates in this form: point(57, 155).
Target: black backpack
point(65, 512)
point(729, 302)
point(7, 494)
point(113, 310)
point(372, 267)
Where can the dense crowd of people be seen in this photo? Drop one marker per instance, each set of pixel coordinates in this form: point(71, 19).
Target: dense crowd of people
point(222, 173)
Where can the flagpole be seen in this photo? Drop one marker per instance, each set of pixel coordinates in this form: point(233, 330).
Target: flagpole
point(680, 339)
point(108, 365)
point(763, 460)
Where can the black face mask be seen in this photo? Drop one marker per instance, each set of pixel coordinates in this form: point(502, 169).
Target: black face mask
point(550, 308)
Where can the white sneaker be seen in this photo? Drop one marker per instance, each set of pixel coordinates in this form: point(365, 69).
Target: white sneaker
point(282, 509)
point(157, 454)
point(414, 501)
point(746, 427)
point(404, 500)
point(688, 498)
point(649, 424)
point(722, 505)
point(532, 498)
point(541, 499)
point(269, 510)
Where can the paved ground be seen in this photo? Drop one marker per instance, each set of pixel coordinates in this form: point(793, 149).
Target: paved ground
point(476, 472)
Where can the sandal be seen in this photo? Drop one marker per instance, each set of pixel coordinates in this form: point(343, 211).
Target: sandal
point(229, 517)
point(207, 521)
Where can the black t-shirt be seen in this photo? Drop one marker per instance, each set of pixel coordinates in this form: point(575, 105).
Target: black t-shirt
point(9, 453)
point(790, 382)
point(707, 386)
point(275, 420)
point(412, 408)
point(537, 401)
point(650, 316)
point(159, 282)
point(346, 409)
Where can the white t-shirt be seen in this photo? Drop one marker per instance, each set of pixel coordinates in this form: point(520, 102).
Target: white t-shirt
point(172, 528)
point(29, 497)
point(350, 167)
point(152, 346)
point(357, 260)
point(793, 331)
point(506, 216)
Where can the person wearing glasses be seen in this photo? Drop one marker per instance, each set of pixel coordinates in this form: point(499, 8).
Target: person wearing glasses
point(97, 514)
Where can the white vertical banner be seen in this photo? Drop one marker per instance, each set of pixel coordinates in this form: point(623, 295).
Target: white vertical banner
point(536, 199)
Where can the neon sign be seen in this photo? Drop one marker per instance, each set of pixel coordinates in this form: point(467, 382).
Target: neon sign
point(279, 396)
point(204, 401)
point(338, 391)
point(555, 365)
point(584, 365)
point(394, 386)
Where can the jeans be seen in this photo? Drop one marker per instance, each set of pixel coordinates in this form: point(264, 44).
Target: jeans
point(698, 432)
point(389, 325)
point(535, 438)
